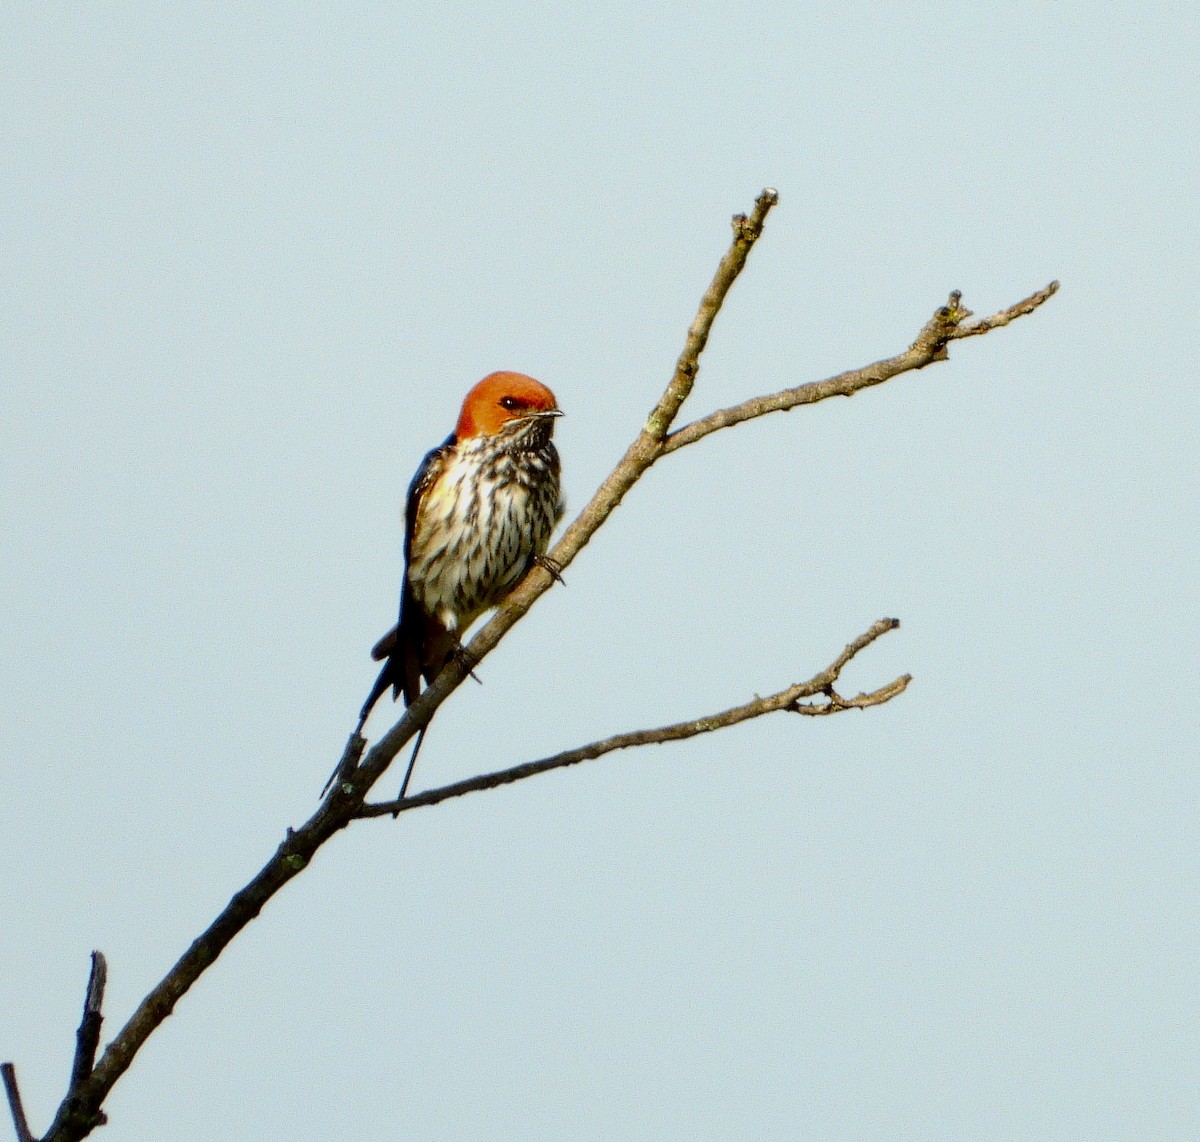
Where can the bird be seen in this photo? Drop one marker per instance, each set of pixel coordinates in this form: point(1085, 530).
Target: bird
point(479, 514)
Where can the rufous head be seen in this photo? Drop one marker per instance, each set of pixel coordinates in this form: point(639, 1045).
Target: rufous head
point(500, 399)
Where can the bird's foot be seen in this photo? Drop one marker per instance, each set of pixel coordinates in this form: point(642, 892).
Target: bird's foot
point(467, 661)
point(551, 566)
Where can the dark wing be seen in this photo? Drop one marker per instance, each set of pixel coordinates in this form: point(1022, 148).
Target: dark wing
point(422, 478)
point(401, 646)
point(428, 471)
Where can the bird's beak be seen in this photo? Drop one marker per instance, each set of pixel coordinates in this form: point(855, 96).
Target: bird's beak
point(547, 413)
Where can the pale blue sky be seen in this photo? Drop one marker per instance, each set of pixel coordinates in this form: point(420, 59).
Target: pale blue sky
point(252, 259)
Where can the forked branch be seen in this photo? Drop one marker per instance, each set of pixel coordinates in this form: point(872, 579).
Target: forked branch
point(820, 686)
point(946, 325)
point(73, 1109)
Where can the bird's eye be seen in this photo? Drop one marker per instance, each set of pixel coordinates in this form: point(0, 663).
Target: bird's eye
point(509, 403)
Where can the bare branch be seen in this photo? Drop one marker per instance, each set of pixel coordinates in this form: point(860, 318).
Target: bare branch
point(746, 232)
point(20, 1122)
point(1021, 309)
point(352, 780)
point(944, 326)
point(87, 1039)
point(790, 699)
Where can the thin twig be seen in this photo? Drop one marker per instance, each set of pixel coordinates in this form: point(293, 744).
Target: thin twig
point(746, 231)
point(87, 1038)
point(997, 320)
point(790, 699)
point(944, 326)
point(20, 1122)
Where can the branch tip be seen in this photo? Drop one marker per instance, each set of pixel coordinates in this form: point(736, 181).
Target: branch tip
point(748, 229)
point(15, 1106)
point(1022, 308)
point(97, 980)
point(949, 322)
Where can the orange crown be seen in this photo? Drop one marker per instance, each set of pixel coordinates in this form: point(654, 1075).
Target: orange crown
point(499, 398)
